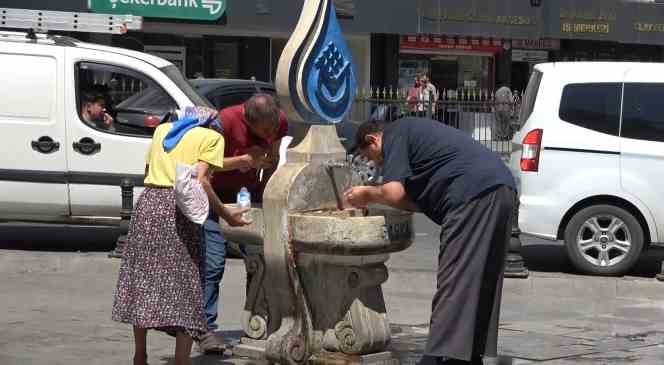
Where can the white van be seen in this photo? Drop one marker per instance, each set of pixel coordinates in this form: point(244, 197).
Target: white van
point(56, 167)
point(589, 160)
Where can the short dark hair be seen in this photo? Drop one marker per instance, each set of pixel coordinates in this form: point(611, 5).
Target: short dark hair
point(92, 97)
point(261, 107)
point(365, 129)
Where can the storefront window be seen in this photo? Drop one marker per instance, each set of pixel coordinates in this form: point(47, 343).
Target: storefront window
point(447, 72)
point(226, 60)
point(474, 72)
point(409, 68)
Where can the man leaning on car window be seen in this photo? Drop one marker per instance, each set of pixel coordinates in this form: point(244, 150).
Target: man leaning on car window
point(93, 111)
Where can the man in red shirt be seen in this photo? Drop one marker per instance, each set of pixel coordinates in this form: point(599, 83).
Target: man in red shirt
point(252, 134)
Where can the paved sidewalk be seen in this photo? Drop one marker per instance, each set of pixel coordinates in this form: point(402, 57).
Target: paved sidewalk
point(56, 310)
point(567, 319)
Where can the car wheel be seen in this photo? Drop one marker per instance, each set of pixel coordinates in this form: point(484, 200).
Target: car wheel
point(603, 240)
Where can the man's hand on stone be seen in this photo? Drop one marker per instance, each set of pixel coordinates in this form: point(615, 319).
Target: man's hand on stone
point(357, 196)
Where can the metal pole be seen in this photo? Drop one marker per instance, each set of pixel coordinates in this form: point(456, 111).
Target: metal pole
point(514, 264)
point(127, 191)
point(660, 276)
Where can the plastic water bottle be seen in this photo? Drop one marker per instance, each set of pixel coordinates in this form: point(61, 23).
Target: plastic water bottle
point(244, 201)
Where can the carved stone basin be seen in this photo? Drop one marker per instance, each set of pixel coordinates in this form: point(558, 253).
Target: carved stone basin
point(335, 232)
point(351, 231)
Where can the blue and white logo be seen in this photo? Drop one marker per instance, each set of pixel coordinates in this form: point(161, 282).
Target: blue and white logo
point(321, 73)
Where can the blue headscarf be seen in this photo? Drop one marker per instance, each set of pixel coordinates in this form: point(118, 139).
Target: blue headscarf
point(193, 117)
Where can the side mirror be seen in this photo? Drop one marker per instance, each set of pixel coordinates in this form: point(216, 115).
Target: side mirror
point(151, 121)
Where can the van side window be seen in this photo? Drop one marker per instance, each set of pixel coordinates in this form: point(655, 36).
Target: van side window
point(119, 100)
point(643, 112)
point(595, 106)
point(529, 97)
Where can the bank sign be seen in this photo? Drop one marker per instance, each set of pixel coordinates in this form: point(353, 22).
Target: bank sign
point(179, 9)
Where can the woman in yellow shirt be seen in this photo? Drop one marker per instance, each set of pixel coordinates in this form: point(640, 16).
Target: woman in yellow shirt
point(160, 284)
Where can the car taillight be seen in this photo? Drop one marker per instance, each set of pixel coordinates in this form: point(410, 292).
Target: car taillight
point(530, 153)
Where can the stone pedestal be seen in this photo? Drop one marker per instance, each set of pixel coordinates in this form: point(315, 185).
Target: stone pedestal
point(315, 293)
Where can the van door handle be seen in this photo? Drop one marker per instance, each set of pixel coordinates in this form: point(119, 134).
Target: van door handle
point(87, 146)
point(45, 144)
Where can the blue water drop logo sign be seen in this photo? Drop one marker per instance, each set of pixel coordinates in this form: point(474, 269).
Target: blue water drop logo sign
point(333, 91)
point(321, 73)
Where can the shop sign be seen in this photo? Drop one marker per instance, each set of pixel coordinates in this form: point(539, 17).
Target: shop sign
point(549, 44)
point(586, 28)
point(463, 15)
point(436, 42)
point(649, 27)
point(526, 55)
point(180, 9)
point(587, 21)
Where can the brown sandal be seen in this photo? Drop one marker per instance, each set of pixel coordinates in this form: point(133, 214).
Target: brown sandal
point(211, 343)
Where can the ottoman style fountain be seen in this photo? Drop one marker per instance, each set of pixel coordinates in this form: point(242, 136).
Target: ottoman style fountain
point(315, 269)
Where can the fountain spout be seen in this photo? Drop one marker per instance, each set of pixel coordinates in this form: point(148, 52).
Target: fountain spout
point(330, 166)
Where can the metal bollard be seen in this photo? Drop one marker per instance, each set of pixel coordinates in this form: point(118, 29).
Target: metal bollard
point(127, 191)
point(660, 276)
point(514, 264)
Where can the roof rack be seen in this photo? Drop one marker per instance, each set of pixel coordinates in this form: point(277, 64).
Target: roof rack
point(62, 40)
point(43, 21)
point(32, 36)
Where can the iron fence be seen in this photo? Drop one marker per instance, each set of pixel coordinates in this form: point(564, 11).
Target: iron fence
point(477, 112)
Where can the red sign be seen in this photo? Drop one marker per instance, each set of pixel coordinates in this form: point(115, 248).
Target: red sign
point(440, 42)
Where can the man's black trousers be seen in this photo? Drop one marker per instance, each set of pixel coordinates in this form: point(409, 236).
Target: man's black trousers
point(465, 309)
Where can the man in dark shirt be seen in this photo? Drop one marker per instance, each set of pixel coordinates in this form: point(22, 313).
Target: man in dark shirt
point(459, 184)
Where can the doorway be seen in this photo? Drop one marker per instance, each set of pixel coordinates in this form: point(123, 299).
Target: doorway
point(520, 75)
point(444, 72)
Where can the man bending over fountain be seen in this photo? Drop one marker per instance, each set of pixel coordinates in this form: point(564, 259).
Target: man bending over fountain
point(252, 132)
point(469, 192)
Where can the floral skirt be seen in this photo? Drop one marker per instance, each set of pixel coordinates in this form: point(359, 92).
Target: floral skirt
point(161, 281)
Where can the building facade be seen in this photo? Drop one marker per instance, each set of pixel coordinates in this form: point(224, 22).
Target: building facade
point(459, 43)
point(486, 44)
point(245, 40)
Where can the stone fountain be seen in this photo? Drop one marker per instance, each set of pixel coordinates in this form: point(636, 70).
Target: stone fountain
point(315, 269)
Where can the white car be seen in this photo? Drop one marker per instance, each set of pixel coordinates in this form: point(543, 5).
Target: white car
point(56, 166)
point(589, 159)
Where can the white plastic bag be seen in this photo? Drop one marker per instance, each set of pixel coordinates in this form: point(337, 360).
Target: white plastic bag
point(190, 196)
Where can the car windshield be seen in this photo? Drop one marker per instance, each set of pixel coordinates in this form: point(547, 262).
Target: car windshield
point(176, 76)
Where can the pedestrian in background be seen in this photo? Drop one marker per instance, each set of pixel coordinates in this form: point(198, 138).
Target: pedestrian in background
point(467, 190)
point(160, 284)
point(414, 96)
point(429, 96)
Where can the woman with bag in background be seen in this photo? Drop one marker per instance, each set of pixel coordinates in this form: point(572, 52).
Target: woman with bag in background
point(160, 284)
